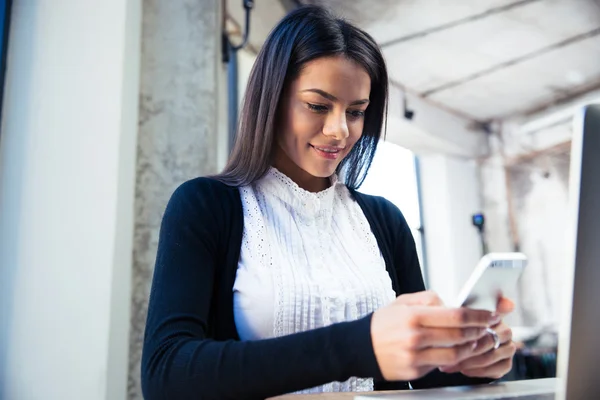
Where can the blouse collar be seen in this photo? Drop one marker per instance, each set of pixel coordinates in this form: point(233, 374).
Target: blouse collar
point(302, 201)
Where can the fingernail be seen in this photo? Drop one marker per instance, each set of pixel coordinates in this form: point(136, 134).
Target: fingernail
point(474, 346)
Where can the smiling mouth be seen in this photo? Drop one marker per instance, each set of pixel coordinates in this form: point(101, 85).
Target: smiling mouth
point(328, 152)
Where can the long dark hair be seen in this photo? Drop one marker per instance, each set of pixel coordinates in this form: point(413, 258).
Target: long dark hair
point(305, 34)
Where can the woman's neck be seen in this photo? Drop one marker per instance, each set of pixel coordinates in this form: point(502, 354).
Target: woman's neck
point(302, 178)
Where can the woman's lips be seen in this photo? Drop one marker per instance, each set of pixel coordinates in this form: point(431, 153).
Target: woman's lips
point(328, 152)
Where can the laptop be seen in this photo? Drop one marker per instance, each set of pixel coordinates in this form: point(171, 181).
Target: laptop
point(579, 336)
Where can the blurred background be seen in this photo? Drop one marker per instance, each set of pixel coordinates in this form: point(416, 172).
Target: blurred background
point(109, 105)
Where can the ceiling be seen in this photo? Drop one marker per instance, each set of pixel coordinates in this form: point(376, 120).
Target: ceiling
point(485, 59)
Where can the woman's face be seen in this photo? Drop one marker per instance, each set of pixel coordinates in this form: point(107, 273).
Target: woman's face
point(322, 117)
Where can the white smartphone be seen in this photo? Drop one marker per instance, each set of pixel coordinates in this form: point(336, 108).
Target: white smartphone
point(495, 274)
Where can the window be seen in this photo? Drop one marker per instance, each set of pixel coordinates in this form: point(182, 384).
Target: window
point(393, 175)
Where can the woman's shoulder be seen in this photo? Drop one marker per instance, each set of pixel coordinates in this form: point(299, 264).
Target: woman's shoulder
point(203, 194)
point(383, 215)
point(205, 185)
point(379, 205)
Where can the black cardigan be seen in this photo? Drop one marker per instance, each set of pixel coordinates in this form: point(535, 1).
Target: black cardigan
point(191, 346)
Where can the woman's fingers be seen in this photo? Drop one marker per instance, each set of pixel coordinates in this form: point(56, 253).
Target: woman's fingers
point(495, 371)
point(507, 350)
point(415, 334)
point(444, 355)
point(442, 317)
point(444, 337)
point(487, 343)
point(484, 355)
point(485, 360)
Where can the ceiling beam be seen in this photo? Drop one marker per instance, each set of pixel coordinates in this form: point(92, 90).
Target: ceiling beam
point(551, 113)
point(555, 46)
point(585, 93)
point(458, 113)
point(431, 128)
point(452, 24)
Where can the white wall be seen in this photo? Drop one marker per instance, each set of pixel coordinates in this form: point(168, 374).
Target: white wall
point(533, 175)
point(67, 159)
point(450, 196)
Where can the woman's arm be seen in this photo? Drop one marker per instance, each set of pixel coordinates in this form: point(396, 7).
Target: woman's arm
point(179, 361)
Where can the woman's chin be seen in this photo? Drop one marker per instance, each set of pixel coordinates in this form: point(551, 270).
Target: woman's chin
point(321, 172)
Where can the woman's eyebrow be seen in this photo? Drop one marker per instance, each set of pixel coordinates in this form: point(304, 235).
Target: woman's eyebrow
point(331, 97)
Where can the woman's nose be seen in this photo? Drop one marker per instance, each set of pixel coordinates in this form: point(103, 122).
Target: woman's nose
point(336, 126)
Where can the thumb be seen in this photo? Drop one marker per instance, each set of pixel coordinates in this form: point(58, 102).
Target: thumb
point(505, 306)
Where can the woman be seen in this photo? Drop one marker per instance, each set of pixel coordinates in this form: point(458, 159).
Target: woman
point(277, 276)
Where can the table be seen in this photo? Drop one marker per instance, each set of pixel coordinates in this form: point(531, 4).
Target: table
point(323, 396)
point(533, 387)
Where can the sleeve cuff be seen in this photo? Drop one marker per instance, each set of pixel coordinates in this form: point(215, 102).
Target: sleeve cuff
point(356, 349)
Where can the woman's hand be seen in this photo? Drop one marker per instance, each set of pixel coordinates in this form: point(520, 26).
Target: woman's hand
point(487, 362)
point(416, 334)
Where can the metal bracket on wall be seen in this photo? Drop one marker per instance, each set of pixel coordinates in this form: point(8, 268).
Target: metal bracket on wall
point(227, 46)
point(229, 56)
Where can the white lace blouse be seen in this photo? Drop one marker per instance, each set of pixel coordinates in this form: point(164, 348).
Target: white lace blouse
point(308, 260)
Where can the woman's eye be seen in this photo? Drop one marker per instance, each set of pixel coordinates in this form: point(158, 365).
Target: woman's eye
point(317, 107)
point(356, 113)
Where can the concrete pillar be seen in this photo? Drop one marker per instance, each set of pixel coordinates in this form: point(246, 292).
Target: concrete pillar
point(182, 107)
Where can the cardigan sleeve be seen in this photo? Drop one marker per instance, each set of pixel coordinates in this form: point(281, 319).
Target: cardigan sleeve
point(410, 280)
point(181, 361)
